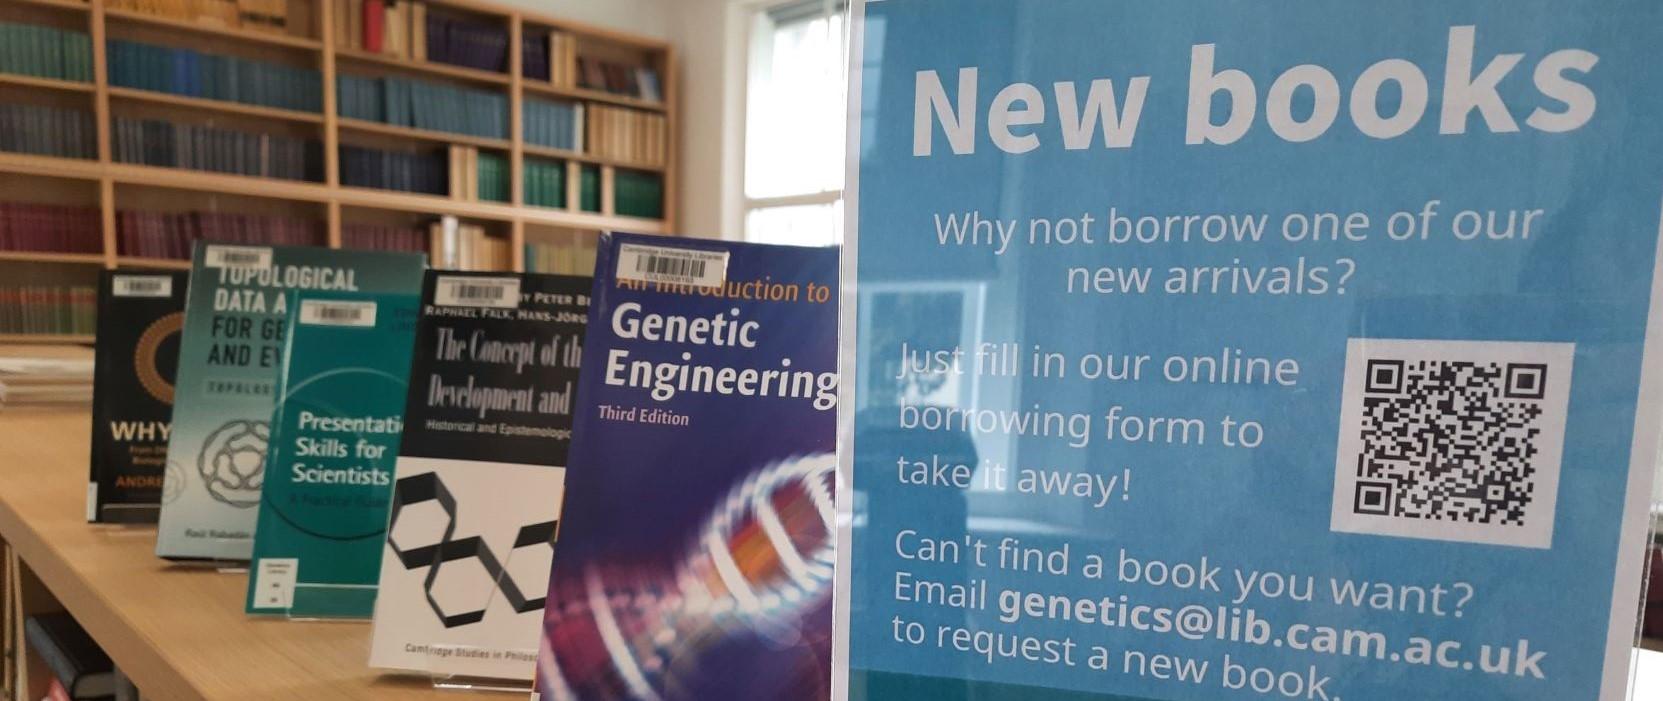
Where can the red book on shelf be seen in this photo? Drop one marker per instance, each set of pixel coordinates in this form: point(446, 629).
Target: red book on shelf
point(375, 24)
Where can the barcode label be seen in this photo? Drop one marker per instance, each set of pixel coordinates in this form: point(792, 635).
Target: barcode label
point(274, 582)
point(142, 286)
point(675, 266)
point(458, 291)
point(317, 312)
point(237, 257)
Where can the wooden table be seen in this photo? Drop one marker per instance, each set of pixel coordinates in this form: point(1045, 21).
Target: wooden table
point(178, 632)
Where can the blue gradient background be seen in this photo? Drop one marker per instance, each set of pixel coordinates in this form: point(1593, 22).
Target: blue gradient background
point(1585, 279)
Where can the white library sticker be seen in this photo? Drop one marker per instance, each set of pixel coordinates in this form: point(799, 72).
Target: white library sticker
point(142, 286)
point(321, 312)
point(237, 257)
point(675, 266)
point(274, 582)
point(460, 291)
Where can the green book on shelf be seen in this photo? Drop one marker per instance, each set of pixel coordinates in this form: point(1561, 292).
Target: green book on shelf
point(589, 189)
point(230, 351)
point(334, 435)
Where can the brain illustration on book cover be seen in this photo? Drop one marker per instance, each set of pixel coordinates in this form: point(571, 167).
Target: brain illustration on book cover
point(696, 551)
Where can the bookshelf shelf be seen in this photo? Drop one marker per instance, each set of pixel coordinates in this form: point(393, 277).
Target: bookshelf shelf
point(29, 81)
point(587, 95)
point(427, 67)
point(210, 182)
point(441, 137)
point(562, 154)
point(50, 257)
point(215, 105)
point(30, 164)
point(155, 263)
point(252, 35)
point(53, 338)
point(72, 5)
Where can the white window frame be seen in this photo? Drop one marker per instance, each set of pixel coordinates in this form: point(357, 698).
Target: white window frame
point(758, 26)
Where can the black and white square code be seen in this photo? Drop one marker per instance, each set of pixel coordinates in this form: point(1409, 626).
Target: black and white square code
point(1452, 440)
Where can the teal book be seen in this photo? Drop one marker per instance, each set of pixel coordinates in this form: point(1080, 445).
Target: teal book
point(229, 355)
point(334, 436)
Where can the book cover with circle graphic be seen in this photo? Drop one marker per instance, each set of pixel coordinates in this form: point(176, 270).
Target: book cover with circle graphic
point(140, 315)
point(228, 360)
point(334, 436)
point(481, 474)
point(696, 552)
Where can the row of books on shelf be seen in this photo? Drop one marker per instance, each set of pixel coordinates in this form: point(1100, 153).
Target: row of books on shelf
point(45, 52)
point(151, 234)
point(404, 171)
point(490, 396)
point(405, 29)
point(46, 308)
point(265, 15)
point(47, 131)
point(555, 124)
point(78, 669)
point(638, 194)
point(49, 227)
point(171, 234)
point(193, 73)
point(639, 82)
point(560, 259)
point(456, 245)
point(478, 176)
point(219, 150)
point(627, 135)
point(384, 237)
point(420, 104)
point(545, 184)
point(550, 56)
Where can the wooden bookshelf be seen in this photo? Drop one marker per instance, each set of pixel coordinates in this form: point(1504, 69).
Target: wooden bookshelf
point(117, 15)
point(42, 338)
point(48, 83)
point(221, 106)
point(310, 42)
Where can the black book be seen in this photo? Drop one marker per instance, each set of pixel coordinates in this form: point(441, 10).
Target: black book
point(139, 319)
point(78, 663)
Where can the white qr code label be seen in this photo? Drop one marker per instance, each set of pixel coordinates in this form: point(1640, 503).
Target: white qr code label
point(673, 266)
point(237, 257)
point(142, 286)
point(274, 582)
point(318, 312)
point(460, 291)
point(1452, 440)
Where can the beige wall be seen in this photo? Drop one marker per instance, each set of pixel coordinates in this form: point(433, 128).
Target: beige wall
point(648, 17)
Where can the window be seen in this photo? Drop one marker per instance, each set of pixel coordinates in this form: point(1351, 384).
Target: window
point(795, 124)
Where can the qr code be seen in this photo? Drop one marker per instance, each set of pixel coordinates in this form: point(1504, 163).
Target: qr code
point(1452, 440)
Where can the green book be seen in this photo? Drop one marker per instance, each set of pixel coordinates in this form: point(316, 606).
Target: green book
point(229, 355)
point(334, 436)
point(589, 187)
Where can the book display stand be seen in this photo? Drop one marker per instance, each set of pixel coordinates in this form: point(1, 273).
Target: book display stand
point(440, 655)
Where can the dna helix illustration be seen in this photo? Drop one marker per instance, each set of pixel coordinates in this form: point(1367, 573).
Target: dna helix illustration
point(763, 559)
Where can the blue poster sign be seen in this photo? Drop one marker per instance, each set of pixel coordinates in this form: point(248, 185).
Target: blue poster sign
point(1230, 350)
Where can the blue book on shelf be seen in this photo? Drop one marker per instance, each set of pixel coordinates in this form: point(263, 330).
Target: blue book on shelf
point(706, 397)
